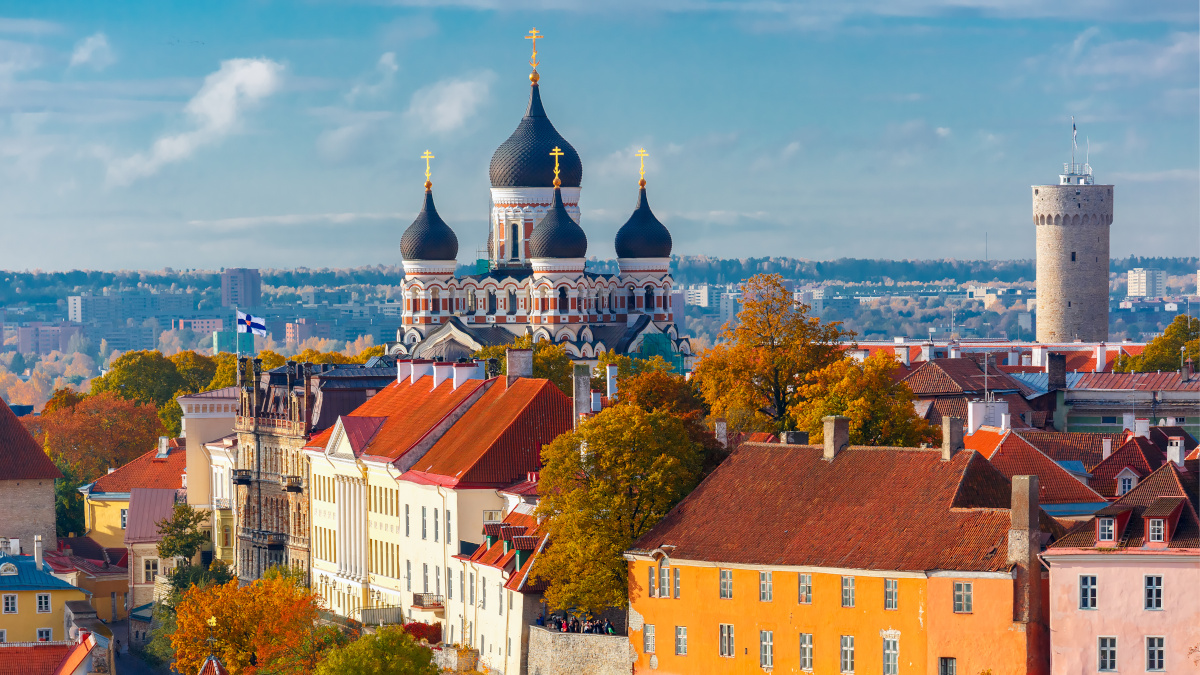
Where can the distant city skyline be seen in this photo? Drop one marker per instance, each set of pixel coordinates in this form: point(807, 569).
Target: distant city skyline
point(290, 134)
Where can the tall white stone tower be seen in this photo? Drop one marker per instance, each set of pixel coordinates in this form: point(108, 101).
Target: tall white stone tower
point(1072, 221)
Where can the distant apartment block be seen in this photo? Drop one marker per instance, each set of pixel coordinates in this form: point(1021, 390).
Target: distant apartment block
point(1146, 283)
point(198, 325)
point(42, 338)
point(241, 287)
point(699, 295)
point(304, 328)
point(731, 304)
point(336, 296)
point(679, 303)
point(116, 308)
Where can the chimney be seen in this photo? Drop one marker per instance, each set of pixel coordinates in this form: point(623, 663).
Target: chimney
point(37, 551)
point(1039, 355)
point(581, 387)
point(468, 371)
point(836, 435)
point(1188, 370)
point(442, 371)
point(163, 448)
point(1014, 357)
point(952, 437)
point(112, 469)
point(721, 431)
point(519, 364)
point(902, 354)
point(1101, 357)
point(793, 437)
point(955, 351)
point(1056, 371)
point(1141, 427)
point(1106, 443)
point(1175, 450)
point(420, 368)
point(1005, 421)
point(927, 351)
point(1024, 545)
point(610, 381)
point(597, 401)
point(403, 370)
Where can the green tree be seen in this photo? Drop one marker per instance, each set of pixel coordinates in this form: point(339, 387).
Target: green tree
point(550, 360)
point(390, 651)
point(181, 535)
point(225, 374)
point(197, 370)
point(1181, 339)
point(145, 376)
point(627, 366)
point(603, 486)
point(68, 502)
point(184, 577)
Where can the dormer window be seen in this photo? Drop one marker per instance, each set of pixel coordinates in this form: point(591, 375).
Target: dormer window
point(1157, 529)
point(1107, 525)
point(8, 569)
point(1126, 485)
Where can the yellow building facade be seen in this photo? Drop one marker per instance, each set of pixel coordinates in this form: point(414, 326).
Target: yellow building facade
point(32, 599)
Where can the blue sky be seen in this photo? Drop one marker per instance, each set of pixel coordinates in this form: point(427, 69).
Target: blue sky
point(282, 134)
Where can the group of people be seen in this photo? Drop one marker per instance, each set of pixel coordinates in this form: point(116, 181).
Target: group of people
point(570, 624)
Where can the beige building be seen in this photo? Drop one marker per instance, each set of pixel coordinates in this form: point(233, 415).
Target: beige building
point(1146, 283)
point(208, 418)
point(147, 507)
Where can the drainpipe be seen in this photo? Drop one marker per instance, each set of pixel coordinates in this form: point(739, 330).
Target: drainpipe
point(445, 561)
point(365, 534)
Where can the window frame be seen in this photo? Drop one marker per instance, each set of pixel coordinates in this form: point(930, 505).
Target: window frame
point(1161, 648)
point(648, 639)
point(846, 665)
point(675, 578)
point(1106, 654)
point(124, 518)
point(1121, 488)
point(147, 576)
point(726, 584)
point(726, 646)
point(804, 590)
point(964, 597)
point(891, 594)
point(1106, 526)
point(848, 592)
point(652, 581)
point(894, 653)
point(766, 649)
point(49, 635)
point(1152, 598)
point(16, 606)
point(806, 651)
point(766, 586)
point(680, 640)
point(46, 597)
point(1158, 530)
point(664, 575)
point(947, 665)
point(1092, 587)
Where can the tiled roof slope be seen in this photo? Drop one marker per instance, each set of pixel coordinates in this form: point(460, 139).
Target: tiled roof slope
point(531, 537)
point(89, 548)
point(1068, 446)
point(410, 410)
point(1169, 480)
point(1170, 381)
point(1016, 457)
point(956, 406)
point(957, 376)
point(500, 438)
point(1160, 436)
point(870, 508)
point(1137, 453)
point(32, 659)
point(147, 508)
point(148, 471)
point(20, 456)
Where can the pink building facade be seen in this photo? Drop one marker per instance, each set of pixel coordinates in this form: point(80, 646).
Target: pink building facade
point(1125, 585)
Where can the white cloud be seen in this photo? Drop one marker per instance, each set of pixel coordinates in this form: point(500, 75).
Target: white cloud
point(29, 26)
point(215, 112)
point(386, 67)
point(93, 51)
point(943, 132)
point(247, 222)
point(16, 57)
point(448, 105)
point(1139, 59)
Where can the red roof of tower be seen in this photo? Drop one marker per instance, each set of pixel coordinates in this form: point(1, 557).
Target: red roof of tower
point(20, 455)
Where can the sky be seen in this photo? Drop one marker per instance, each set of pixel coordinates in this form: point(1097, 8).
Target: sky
point(283, 134)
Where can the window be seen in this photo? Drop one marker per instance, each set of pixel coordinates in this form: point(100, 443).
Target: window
point(1126, 484)
point(1108, 420)
point(847, 659)
point(947, 665)
point(472, 588)
point(890, 591)
point(1154, 587)
point(408, 574)
point(424, 527)
point(424, 577)
point(491, 516)
point(150, 569)
point(449, 531)
point(676, 573)
point(449, 583)
point(43, 603)
point(124, 517)
point(653, 581)
point(766, 648)
point(227, 537)
point(962, 597)
point(1106, 529)
point(1087, 592)
point(806, 651)
point(648, 638)
point(726, 584)
point(10, 604)
point(1107, 658)
point(765, 590)
point(1072, 256)
point(891, 656)
point(437, 580)
point(847, 591)
point(664, 582)
point(500, 597)
point(435, 525)
point(482, 593)
point(407, 522)
point(681, 640)
point(1154, 653)
point(726, 642)
point(45, 634)
point(806, 589)
point(1156, 529)
point(3, 636)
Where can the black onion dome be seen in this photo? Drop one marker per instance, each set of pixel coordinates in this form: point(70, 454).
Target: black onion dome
point(524, 159)
point(557, 235)
point(429, 237)
point(643, 236)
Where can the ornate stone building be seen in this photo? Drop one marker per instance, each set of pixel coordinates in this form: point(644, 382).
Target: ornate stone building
point(536, 282)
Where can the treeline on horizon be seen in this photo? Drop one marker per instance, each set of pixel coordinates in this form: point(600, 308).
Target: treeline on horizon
point(38, 287)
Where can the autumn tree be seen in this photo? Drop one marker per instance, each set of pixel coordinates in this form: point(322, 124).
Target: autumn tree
point(101, 431)
point(68, 502)
point(225, 374)
point(1181, 340)
point(880, 407)
point(62, 398)
point(603, 486)
point(180, 534)
point(550, 360)
point(658, 389)
point(145, 376)
point(369, 353)
point(627, 366)
point(756, 375)
point(196, 370)
point(389, 651)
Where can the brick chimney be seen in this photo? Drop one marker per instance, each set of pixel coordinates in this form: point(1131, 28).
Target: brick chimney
point(1188, 370)
point(952, 437)
point(1106, 445)
point(519, 363)
point(836, 435)
point(1056, 372)
point(1024, 545)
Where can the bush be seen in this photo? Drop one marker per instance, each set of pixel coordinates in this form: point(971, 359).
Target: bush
point(430, 632)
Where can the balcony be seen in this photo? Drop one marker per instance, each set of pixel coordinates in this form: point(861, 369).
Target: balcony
point(222, 503)
point(242, 476)
point(276, 540)
point(427, 601)
point(291, 483)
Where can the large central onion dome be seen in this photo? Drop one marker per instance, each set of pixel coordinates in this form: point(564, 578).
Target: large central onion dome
point(429, 237)
point(643, 236)
point(524, 159)
point(557, 235)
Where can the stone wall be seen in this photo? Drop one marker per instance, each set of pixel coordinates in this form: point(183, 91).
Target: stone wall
point(28, 508)
point(554, 653)
point(1072, 223)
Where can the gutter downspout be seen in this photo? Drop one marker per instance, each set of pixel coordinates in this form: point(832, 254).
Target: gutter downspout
point(445, 565)
point(364, 547)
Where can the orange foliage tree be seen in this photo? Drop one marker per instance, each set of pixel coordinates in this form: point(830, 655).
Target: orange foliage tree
point(96, 432)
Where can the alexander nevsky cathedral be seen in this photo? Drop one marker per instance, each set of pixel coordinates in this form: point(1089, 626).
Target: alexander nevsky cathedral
point(536, 282)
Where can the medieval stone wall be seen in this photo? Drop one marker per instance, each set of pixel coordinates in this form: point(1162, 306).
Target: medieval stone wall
point(1072, 223)
point(554, 653)
point(27, 506)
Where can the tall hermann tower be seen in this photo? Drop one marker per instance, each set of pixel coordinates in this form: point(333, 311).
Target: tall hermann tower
point(1072, 221)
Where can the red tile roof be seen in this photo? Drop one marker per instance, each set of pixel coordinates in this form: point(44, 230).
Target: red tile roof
point(64, 564)
point(958, 376)
point(531, 538)
point(90, 549)
point(869, 508)
point(1067, 446)
point(25, 658)
point(20, 455)
point(1168, 480)
point(212, 666)
point(1138, 454)
point(148, 471)
point(147, 508)
point(1168, 381)
point(1056, 485)
point(985, 440)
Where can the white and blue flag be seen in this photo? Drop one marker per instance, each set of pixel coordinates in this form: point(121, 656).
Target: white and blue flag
point(248, 323)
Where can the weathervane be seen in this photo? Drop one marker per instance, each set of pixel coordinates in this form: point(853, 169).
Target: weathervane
point(641, 154)
point(533, 62)
point(556, 153)
point(427, 156)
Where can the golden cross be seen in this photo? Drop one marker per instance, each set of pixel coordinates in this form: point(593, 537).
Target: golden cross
point(535, 36)
point(427, 156)
point(556, 153)
point(641, 154)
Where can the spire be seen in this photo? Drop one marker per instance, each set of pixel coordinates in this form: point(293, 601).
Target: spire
point(641, 154)
point(429, 237)
point(428, 183)
point(534, 36)
point(556, 153)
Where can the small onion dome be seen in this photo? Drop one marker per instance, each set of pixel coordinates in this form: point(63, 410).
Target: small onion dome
point(429, 237)
point(524, 159)
point(557, 235)
point(642, 236)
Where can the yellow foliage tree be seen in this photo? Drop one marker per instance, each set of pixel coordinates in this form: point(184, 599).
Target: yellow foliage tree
point(550, 360)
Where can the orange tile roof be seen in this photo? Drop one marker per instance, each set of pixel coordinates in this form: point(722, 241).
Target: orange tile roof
point(1066, 446)
point(20, 455)
point(494, 556)
point(986, 440)
point(1137, 453)
point(26, 658)
point(76, 655)
point(148, 471)
point(1168, 480)
point(412, 410)
point(1056, 485)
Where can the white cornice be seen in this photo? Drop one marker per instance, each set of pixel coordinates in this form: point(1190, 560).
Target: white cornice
point(429, 267)
point(552, 265)
point(532, 195)
point(644, 264)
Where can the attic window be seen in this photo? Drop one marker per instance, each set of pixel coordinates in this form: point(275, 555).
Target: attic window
point(1106, 529)
point(1126, 485)
point(8, 569)
point(1156, 529)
